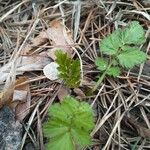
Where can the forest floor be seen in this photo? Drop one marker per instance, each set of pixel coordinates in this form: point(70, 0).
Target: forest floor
point(30, 31)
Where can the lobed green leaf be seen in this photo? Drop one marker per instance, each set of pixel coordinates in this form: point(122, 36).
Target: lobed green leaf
point(130, 57)
point(113, 71)
point(63, 142)
point(111, 43)
point(101, 64)
point(70, 123)
point(133, 34)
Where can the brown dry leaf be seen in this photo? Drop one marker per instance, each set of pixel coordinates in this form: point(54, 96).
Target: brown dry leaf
point(6, 94)
point(38, 40)
point(1, 98)
point(60, 37)
point(33, 63)
point(21, 99)
point(63, 92)
point(27, 63)
point(80, 94)
point(57, 34)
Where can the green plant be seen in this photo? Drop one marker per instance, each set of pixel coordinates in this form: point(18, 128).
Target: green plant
point(69, 125)
point(121, 49)
point(69, 69)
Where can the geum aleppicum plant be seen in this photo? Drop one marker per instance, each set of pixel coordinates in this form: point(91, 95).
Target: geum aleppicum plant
point(70, 121)
point(69, 125)
point(121, 51)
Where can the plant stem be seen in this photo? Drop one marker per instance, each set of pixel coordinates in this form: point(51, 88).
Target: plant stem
point(101, 78)
point(99, 81)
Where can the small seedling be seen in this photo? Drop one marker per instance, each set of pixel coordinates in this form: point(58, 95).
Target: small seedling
point(69, 69)
point(69, 125)
point(121, 49)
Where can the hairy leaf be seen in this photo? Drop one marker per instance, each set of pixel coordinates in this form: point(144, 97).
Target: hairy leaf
point(133, 34)
point(69, 69)
point(111, 43)
point(118, 48)
point(130, 57)
point(113, 71)
point(69, 125)
point(101, 64)
point(63, 142)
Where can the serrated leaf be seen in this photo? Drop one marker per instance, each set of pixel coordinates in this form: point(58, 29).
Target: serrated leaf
point(85, 114)
point(113, 71)
point(110, 44)
point(63, 142)
point(70, 123)
point(101, 64)
point(81, 137)
point(114, 62)
point(130, 57)
point(54, 128)
point(69, 69)
point(133, 34)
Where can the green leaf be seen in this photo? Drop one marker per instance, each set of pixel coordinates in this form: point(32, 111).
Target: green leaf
point(81, 137)
point(85, 113)
point(69, 125)
point(130, 57)
point(101, 64)
point(54, 128)
point(133, 34)
point(63, 142)
point(111, 43)
point(114, 62)
point(69, 69)
point(113, 71)
point(116, 46)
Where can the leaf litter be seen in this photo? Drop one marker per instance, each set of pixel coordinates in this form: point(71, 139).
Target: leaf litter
point(48, 32)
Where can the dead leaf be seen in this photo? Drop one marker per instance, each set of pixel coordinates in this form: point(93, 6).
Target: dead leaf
point(50, 71)
point(63, 92)
point(27, 63)
point(33, 63)
point(60, 38)
point(80, 94)
point(21, 100)
point(19, 95)
point(38, 40)
point(7, 93)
